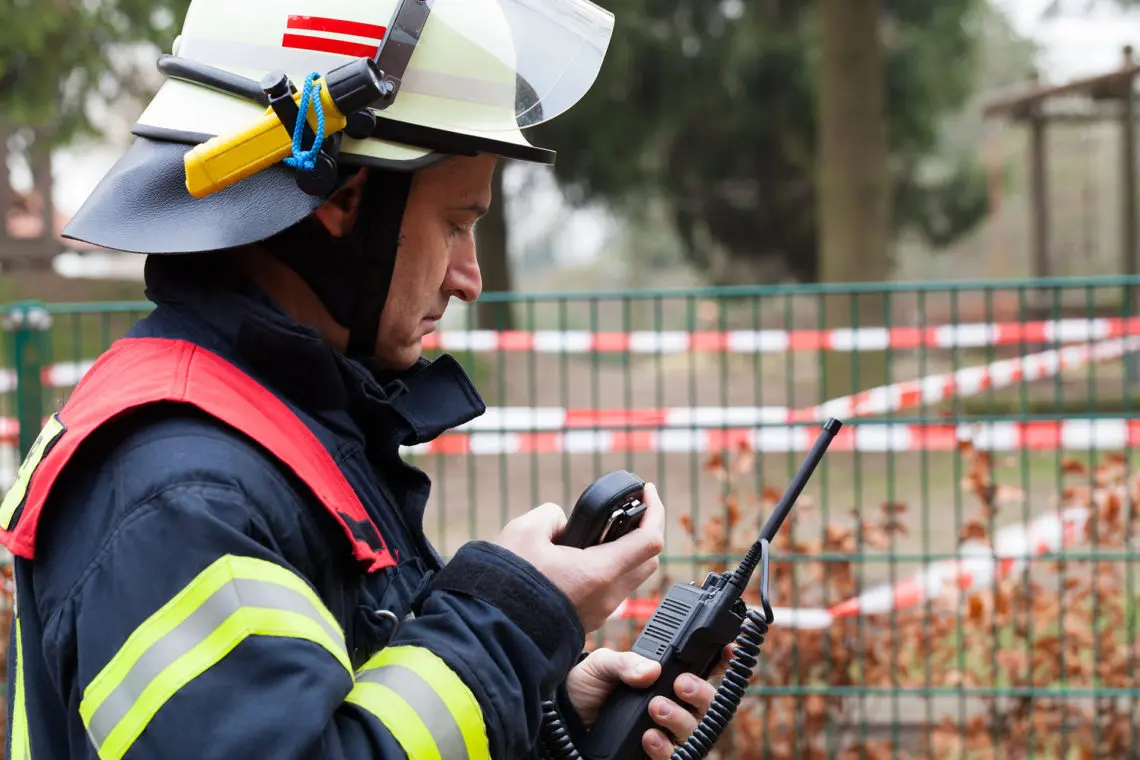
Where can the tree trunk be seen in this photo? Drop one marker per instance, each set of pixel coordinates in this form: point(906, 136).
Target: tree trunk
point(7, 196)
point(43, 184)
point(854, 180)
point(491, 238)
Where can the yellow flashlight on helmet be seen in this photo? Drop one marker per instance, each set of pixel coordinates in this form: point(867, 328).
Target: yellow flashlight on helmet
point(225, 160)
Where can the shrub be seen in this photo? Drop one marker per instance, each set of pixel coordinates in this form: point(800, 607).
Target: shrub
point(1008, 650)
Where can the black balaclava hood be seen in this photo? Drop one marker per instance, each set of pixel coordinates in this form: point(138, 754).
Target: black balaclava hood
point(142, 205)
point(352, 275)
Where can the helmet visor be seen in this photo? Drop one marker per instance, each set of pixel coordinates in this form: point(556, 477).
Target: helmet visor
point(501, 65)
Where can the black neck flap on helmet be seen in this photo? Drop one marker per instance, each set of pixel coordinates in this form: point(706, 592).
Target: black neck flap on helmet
point(352, 275)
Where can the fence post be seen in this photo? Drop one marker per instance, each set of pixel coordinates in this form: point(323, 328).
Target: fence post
point(29, 324)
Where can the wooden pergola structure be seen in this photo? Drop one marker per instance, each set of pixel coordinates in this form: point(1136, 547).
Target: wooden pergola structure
point(1115, 87)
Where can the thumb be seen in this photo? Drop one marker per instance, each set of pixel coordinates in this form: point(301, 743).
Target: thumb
point(610, 666)
point(640, 545)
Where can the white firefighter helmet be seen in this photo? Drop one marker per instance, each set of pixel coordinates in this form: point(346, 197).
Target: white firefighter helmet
point(465, 77)
point(479, 70)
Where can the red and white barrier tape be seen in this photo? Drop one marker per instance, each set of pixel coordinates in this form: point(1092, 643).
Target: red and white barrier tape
point(882, 400)
point(974, 569)
point(968, 381)
point(971, 335)
point(557, 429)
point(885, 399)
point(1053, 435)
point(863, 437)
point(531, 419)
point(58, 375)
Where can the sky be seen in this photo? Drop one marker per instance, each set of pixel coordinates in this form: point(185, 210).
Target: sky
point(1076, 46)
point(1072, 47)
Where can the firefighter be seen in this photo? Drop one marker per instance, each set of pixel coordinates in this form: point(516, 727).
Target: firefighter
point(219, 551)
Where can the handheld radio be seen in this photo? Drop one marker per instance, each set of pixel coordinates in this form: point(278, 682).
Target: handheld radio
point(606, 511)
point(688, 631)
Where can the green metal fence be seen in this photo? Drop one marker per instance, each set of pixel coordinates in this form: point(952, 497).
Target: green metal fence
point(985, 474)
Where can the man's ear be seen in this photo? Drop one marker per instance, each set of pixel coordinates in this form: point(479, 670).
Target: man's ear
point(338, 213)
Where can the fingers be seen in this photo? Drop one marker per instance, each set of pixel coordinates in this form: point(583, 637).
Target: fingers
point(544, 521)
point(696, 692)
point(676, 724)
point(547, 520)
point(672, 717)
point(656, 745)
point(592, 681)
point(654, 518)
point(636, 552)
point(674, 720)
point(652, 528)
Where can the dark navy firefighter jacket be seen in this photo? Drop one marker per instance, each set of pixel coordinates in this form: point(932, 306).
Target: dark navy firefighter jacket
point(189, 597)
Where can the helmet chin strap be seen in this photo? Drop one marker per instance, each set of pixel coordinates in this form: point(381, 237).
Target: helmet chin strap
point(352, 275)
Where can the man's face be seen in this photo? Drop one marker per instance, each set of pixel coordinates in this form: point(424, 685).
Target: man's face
point(436, 259)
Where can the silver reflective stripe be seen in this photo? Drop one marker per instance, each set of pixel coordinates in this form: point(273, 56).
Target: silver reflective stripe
point(240, 55)
point(212, 613)
point(453, 87)
point(421, 697)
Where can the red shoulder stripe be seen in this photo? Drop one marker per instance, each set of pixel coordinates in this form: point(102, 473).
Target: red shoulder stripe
point(140, 371)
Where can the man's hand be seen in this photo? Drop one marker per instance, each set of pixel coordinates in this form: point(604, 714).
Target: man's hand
point(596, 579)
point(590, 683)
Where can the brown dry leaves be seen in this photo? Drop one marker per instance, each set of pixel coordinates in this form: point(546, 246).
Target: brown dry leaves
point(1049, 625)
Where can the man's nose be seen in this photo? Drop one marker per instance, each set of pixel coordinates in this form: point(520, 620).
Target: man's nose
point(465, 280)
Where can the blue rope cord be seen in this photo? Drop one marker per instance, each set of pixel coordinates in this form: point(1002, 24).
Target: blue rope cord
point(306, 160)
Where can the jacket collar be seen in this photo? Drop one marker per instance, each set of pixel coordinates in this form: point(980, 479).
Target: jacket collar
point(212, 304)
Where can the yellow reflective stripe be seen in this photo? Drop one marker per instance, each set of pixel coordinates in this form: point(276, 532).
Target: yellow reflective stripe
point(233, 599)
point(400, 718)
point(19, 489)
point(445, 704)
point(21, 742)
